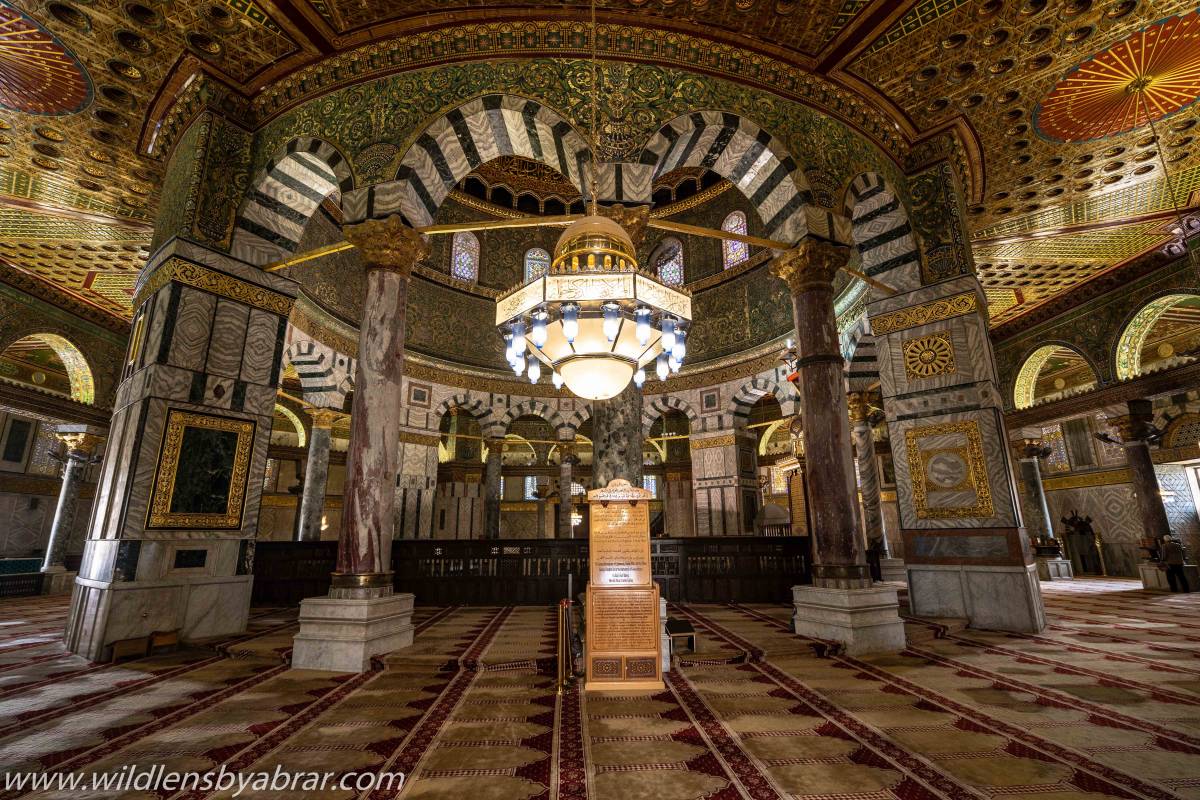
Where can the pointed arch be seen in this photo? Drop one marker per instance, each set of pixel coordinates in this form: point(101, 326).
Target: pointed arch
point(754, 161)
point(1127, 356)
point(75, 364)
point(464, 257)
point(753, 391)
point(657, 406)
point(667, 261)
point(537, 262)
point(1025, 392)
point(456, 143)
point(326, 376)
point(477, 407)
point(291, 187)
point(534, 408)
point(881, 231)
point(734, 252)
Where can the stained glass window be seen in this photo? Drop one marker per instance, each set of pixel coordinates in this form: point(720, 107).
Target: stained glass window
point(531, 489)
point(735, 252)
point(537, 263)
point(650, 484)
point(464, 257)
point(668, 262)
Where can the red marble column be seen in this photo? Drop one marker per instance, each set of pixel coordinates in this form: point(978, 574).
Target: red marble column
point(809, 269)
point(389, 249)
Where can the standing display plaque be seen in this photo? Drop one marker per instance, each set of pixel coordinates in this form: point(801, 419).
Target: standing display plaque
point(622, 599)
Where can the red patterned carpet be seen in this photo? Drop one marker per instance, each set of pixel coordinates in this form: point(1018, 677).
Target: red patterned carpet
point(1103, 704)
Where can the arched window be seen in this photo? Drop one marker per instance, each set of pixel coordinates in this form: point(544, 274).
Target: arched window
point(735, 252)
point(537, 263)
point(464, 257)
point(668, 261)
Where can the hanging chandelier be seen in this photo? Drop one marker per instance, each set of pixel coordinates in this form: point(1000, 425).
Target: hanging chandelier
point(594, 319)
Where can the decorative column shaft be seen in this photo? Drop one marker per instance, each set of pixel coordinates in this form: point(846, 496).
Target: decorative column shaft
point(1037, 513)
point(868, 474)
point(809, 269)
point(617, 438)
point(316, 475)
point(566, 477)
point(491, 488)
point(1134, 428)
point(389, 249)
point(81, 442)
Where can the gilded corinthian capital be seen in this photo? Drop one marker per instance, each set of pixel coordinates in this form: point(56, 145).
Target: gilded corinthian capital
point(387, 244)
point(812, 262)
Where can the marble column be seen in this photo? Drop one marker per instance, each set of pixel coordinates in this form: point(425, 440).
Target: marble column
point(362, 617)
point(809, 270)
point(566, 477)
point(617, 438)
point(316, 474)
point(841, 605)
point(492, 469)
point(1029, 450)
point(1134, 429)
point(868, 475)
point(81, 442)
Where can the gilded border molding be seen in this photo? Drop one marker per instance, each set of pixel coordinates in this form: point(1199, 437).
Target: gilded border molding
point(976, 477)
point(728, 440)
point(159, 514)
point(219, 283)
point(1108, 477)
point(408, 437)
point(944, 308)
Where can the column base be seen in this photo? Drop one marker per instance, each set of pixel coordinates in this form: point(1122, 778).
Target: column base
point(343, 634)
point(1002, 598)
point(863, 620)
point(664, 639)
point(1054, 569)
point(892, 570)
point(57, 580)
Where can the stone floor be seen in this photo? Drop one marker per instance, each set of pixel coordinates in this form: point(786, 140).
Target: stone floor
point(1104, 703)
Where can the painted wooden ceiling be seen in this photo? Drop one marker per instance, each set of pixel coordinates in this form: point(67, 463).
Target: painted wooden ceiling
point(1053, 101)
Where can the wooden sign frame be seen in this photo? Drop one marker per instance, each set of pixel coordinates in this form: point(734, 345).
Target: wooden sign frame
point(623, 645)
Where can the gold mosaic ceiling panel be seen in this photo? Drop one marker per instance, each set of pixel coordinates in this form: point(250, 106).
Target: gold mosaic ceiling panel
point(96, 263)
point(988, 63)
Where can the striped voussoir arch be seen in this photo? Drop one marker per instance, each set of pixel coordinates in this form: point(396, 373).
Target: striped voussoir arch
point(882, 231)
point(279, 206)
point(326, 376)
point(477, 407)
point(660, 405)
point(535, 408)
point(753, 391)
point(581, 415)
point(750, 158)
point(476, 132)
point(861, 354)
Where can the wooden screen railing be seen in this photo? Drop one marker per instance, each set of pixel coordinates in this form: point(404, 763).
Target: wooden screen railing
point(744, 569)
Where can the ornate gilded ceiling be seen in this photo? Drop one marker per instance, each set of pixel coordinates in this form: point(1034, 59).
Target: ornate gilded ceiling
point(1067, 180)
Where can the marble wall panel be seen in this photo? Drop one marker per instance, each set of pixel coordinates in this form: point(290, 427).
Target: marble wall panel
point(228, 341)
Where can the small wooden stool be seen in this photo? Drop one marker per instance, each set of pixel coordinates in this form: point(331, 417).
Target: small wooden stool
point(129, 648)
point(680, 630)
point(163, 639)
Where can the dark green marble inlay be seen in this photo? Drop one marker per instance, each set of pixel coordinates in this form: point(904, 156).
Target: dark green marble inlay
point(205, 472)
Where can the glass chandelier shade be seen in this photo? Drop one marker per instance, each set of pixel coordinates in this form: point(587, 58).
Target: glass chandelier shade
point(594, 319)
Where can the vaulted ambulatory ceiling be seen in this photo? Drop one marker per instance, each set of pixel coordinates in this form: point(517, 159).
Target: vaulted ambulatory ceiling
point(1064, 179)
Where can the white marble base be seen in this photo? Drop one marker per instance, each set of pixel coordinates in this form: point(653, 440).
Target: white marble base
point(864, 620)
point(892, 570)
point(58, 581)
point(199, 607)
point(1155, 579)
point(342, 635)
point(1054, 569)
point(990, 598)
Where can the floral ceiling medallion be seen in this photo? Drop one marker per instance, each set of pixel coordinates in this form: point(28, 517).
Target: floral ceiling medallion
point(38, 75)
point(1150, 75)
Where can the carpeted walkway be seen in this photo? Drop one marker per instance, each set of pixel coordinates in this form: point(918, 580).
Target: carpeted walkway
point(1104, 703)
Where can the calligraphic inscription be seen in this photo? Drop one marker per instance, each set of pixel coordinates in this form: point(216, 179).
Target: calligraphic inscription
point(620, 544)
point(624, 620)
